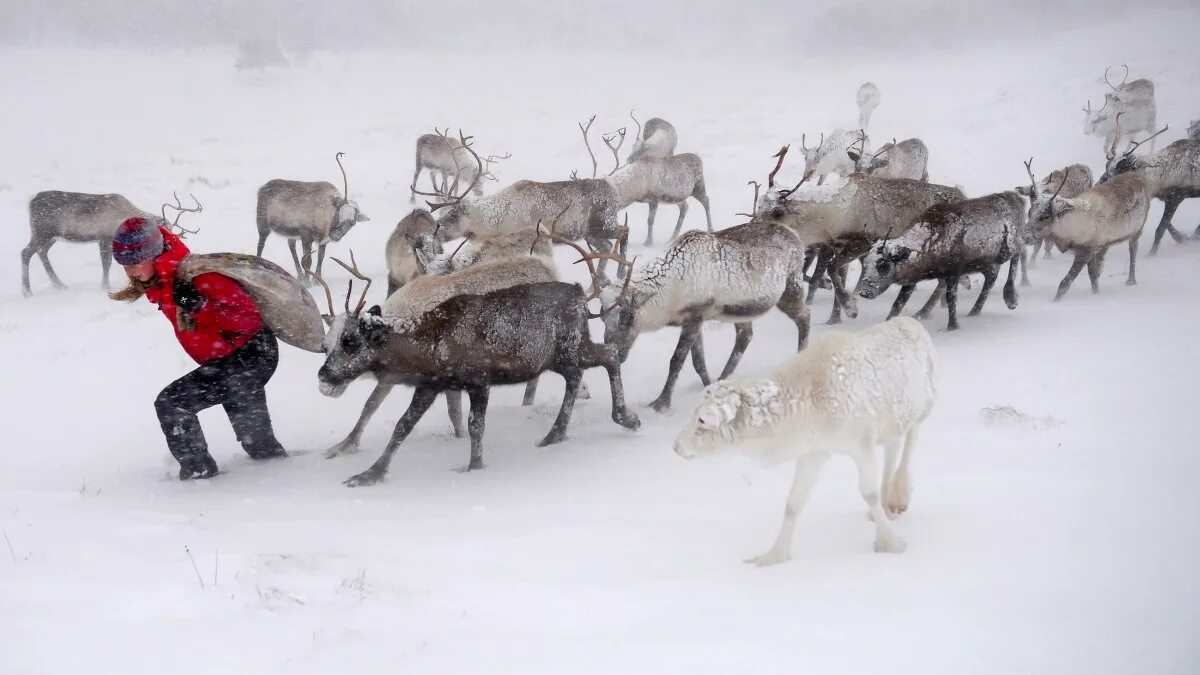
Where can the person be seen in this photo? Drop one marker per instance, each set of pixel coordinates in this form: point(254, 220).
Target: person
point(222, 330)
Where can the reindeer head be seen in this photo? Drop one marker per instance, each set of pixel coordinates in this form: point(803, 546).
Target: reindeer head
point(773, 206)
point(347, 212)
point(864, 163)
point(1116, 164)
point(729, 413)
point(1044, 206)
point(354, 339)
point(879, 267)
point(812, 155)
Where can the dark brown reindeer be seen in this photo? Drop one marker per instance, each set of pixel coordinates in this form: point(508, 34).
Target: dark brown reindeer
point(79, 217)
point(471, 343)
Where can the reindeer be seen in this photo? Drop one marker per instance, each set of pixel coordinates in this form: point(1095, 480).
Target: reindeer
point(471, 343)
point(417, 230)
point(868, 98)
point(733, 276)
point(830, 156)
point(906, 159)
point(1112, 212)
point(309, 212)
point(82, 217)
point(1134, 100)
point(657, 139)
point(442, 156)
point(1075, 179)
point(842, 222)
point(1171, 174)
point(652, 178)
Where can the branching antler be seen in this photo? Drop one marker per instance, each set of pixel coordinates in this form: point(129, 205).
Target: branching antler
point(587, 258)
point(1066, 175)
point(1029, 170)
point(587, 144)
point(639, 125)
point(489, 161)
point(448, 195)
point(328, 293)
point(804, 146)
point(619, 133)
point(754, 206)
point(1110, 84)
point(180, 210)
point(352, 268)
point(784, 194)
point(1131, 150)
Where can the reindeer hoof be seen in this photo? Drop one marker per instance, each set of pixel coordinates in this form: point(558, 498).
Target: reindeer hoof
point(628, 419)
point(343, 448)
point(368, 477)
point(660, 404)
point(1131, 282)
point(475, 464)
point(890, 545)
point(769, 558)
point(552, 438)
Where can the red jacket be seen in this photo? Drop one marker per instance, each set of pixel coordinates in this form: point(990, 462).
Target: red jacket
point(226, 321)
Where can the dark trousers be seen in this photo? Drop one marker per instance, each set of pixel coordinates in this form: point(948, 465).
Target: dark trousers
point(235, 382)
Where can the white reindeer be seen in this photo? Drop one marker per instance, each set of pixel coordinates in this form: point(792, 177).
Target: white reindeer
point(1133, 101)
point(846, 393)
point(830, 156)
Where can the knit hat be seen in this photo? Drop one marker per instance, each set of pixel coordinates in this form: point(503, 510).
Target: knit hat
point(136, 240)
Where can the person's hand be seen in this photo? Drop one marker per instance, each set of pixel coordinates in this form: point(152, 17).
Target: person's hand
point(187, 297)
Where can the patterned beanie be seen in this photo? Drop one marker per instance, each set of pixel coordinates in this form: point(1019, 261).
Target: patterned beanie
point(136, 240)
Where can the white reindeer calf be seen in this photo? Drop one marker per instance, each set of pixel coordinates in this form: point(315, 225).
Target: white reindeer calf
point(846, 393)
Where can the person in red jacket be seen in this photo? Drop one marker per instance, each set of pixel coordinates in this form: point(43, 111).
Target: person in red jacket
point(236, 352)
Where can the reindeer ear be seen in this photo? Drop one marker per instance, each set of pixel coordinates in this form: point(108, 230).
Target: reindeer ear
point(881, 162)
point(1024, 190)
point(361, 217)
point(328, 319)
point(853, 155)
point(336, 201)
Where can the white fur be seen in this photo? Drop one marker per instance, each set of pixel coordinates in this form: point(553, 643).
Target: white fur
point(846, 394)
point(868, 98)
point(829, 155)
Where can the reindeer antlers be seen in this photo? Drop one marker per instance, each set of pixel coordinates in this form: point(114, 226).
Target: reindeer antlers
point(1131, 150)
point(180, 210)
point(352, 268)
point(1029, 170)
point(448, 194)
point(345, 181)
point(1110, 84)
point(587, 258)
point(784, 194)
point(803, 146)
point(608, 141)
point(635, 121)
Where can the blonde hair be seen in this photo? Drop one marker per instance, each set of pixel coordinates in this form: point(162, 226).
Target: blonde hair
point(136, 289)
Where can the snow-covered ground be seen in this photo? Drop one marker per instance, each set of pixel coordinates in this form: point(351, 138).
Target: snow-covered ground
point(1068, 546)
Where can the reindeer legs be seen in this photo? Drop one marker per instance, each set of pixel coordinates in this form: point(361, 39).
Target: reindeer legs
point(422, 398)
point(1081, 258)
point(698, 362)
point(651, 211)
point(687, 336)
point(745, 332)
point(475, 423)
point(558, 432)
point(683, 209)
point(454, 410)
point(989, 279)
point(349, 444)
point(1164, 225)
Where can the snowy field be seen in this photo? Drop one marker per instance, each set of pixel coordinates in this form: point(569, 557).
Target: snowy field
point(1067, 543)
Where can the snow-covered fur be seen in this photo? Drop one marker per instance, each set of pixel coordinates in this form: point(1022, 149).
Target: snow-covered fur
point(868, 98)
point(403, 309)
point(1194, 131)
point(1078, 180)
point(948, 242)
point(669, 180)
point(734, 276)
point(658, 139)
point(1110, 213)
point(843, 220)
point(415, 231)
point(1171, 174)
point(906, 159)
point(846, 393)
point(77, 217)
point(478, 250)
point(1134, 101)
point(313, 212)
point(579, 209)
point(829, 155)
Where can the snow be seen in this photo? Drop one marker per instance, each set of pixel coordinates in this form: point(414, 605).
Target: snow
point(1031, 548)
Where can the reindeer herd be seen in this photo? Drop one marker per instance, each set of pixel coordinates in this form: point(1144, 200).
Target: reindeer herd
point(493, 310)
